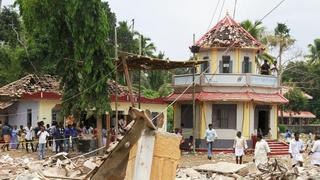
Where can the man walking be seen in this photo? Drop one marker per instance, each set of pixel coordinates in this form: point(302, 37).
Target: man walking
point(211, 135)
point(261, 151)
point(296, 148)
point(42, 134)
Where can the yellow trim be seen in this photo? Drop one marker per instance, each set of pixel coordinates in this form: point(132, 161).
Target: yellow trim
point(203, 119)
point(214, 61)
point(246, 119)
point(238, 61)
point(275, 136)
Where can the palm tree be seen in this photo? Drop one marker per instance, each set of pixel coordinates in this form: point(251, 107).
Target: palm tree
point(314, 51)
point(281, 39)
point(258, 31)
point(148, 48)
point(254, 28)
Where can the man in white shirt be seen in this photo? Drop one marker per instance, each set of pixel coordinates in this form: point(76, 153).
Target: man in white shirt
point(211, 135)
point(296, 148)
point(239, 146)
point(261, 151)
point(315, 152)
point(43, 135)
point(29, 137)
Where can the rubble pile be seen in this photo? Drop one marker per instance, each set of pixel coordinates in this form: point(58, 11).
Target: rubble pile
point(58, 166)
point(223, 170)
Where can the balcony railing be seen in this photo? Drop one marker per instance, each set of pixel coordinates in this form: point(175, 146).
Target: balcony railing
point(227, 80)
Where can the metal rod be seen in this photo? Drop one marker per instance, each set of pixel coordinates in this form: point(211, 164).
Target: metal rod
point(193, 99)
point(116, 78)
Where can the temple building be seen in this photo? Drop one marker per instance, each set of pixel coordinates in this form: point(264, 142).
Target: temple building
point(230, 93)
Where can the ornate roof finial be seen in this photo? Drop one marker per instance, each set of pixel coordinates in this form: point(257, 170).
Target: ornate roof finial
point(227, 14)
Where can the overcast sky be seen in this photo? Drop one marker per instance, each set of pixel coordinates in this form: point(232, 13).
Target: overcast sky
point(171, 23)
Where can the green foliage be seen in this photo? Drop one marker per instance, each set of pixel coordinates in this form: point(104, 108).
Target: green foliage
point(282, 128)
point(254, 28)
point(75, 31)
point(314, 51)
point(297, 101)
point(9, 23)
point(170, 124)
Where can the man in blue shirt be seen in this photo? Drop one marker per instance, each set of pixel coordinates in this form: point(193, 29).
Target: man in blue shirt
point(211, 135)
point(67, 134)
point(74, 135)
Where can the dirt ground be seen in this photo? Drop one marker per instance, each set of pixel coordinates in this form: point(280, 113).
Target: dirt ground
point(191, 160)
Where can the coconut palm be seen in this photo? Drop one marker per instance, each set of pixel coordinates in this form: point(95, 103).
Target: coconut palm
point(254, 28)
point(281, 39)
point(257, 30)
point(314, 51)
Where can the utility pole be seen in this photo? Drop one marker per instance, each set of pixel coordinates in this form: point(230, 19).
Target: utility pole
point(194, 51)
point(116, 78)
point(140, 53)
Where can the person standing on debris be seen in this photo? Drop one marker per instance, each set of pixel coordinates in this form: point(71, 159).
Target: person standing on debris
point(21, 137)
point(211, 135)
point(29, 137)
point(296, 148)
point(43, 135)
point(261, 151)
point(6, 134)
point(315, 151)
point(239, 146)
point(14, 137)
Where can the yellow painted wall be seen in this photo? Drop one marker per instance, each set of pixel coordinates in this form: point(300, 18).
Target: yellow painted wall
point(237, 62)
point(203, 120)
point(275, 129)
point(246, 119)
point(124, 106)
point(45, 110)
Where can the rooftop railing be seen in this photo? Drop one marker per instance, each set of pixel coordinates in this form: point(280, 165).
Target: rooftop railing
point(227, 80)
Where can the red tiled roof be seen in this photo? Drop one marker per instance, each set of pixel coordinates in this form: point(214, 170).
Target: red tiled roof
point(301, 114)
point(228, 32)
point(220, 96)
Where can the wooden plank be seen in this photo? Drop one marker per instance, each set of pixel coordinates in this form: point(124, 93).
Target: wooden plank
point(126, 73)
point(120, 153)
point(144, 156)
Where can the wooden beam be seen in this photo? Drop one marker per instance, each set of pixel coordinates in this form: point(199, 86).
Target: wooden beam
point(126, 73)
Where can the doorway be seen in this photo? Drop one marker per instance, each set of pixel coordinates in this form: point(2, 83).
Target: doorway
point(262, 119)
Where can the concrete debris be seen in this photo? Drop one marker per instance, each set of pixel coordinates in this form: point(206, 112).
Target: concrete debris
point(274, 169)
point(221, 167)
point(58, 166)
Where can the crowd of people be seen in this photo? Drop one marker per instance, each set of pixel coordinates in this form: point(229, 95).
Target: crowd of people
point(58, 137)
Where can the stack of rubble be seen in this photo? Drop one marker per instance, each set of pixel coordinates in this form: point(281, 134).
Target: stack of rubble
point(58, 166)
point(223, 170)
